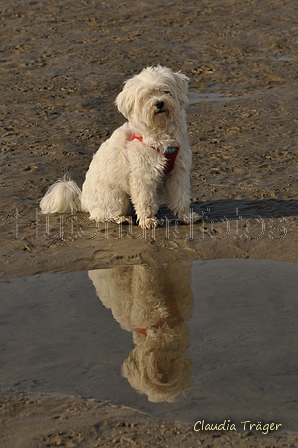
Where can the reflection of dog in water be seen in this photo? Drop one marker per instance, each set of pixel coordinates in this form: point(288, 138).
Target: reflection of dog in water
point(153, 303)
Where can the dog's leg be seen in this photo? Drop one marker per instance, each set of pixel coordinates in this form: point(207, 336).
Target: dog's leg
point(178, 192)
point(145, 201)
point(178, 195)
point(111, 203)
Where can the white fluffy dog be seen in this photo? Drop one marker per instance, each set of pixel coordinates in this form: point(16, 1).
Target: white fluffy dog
point(143, 163)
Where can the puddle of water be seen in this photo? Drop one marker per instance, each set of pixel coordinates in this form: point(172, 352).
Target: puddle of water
point(277, 58)
point(217, 339)
point(195, 97)
point(282, 59)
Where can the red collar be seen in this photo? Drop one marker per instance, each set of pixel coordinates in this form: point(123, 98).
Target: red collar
point(170, 153)
point(136, 137)
point(170, 320)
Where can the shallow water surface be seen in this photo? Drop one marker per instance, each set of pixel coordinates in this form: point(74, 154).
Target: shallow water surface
point(210, 340)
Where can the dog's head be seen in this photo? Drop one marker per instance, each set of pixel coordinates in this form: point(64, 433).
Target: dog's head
point(154, 97)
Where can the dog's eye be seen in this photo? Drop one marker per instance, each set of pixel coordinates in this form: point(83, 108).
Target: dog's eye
point(167, 92)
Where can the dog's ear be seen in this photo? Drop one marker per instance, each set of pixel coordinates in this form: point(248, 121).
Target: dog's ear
point(125, 99)
point(182, 82)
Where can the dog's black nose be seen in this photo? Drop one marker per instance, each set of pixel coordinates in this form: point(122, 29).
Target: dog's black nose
point(159, 104)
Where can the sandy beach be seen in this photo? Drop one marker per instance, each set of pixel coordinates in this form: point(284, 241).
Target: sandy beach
point(62, 64)
point(45, 421)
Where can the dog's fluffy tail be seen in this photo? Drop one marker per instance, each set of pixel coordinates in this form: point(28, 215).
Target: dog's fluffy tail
point(64, 196)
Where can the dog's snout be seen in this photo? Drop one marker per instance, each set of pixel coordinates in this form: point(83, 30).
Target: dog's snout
point(159, 104)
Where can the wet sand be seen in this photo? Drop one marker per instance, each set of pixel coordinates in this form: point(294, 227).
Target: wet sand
point(46, 420)
point(62, 65)
point(39, 421)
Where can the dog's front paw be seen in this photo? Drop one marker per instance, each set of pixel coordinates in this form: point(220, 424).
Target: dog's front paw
point(120, 219)
point(186, 218)
point(149, 223)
